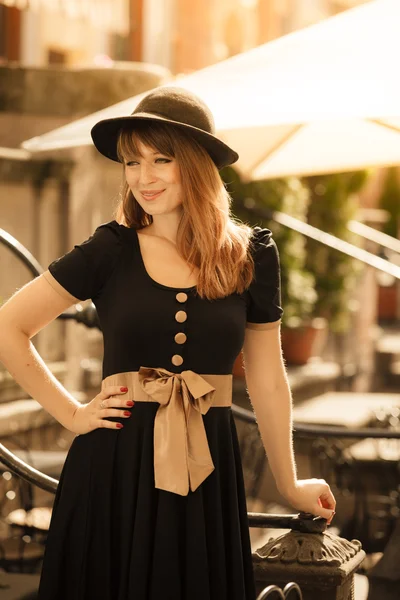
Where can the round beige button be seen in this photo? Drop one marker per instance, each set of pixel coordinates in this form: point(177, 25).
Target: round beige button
point(181, 316)
point(180, 338)
point(177, 360)
point(181, 297)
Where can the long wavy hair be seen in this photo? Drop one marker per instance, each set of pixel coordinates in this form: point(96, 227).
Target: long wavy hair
point(208, 236)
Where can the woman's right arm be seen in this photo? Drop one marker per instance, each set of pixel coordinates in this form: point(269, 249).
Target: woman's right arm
point(29, 310)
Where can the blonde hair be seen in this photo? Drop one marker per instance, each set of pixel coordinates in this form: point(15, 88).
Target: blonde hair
point(208, 235)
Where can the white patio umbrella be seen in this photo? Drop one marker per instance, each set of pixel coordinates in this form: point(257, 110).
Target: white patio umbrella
point(323, 99)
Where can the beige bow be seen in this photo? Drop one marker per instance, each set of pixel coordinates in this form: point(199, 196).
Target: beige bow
point(182, 458)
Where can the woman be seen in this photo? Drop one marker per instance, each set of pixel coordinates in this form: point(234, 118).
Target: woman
point(151, 499)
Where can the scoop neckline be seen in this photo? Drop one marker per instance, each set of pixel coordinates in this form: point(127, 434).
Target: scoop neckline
point(143, 266)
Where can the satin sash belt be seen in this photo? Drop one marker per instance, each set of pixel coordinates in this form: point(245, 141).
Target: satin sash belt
point(182, 458)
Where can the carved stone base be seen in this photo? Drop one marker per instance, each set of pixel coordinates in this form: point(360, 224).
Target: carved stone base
point(322, 564)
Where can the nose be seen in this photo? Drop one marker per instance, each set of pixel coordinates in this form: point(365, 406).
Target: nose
point(146, 174)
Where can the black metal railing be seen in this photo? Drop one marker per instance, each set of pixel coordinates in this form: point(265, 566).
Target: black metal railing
point(88, 317)
point(300, 522)
point(326, 431)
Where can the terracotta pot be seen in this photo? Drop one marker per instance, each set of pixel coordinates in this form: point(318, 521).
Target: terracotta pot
point(387, 302)
point(299, 343)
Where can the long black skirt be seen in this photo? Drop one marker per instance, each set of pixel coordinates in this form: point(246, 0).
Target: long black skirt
point(113, 536)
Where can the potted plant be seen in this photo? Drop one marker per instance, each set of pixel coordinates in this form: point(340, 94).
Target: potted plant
point(387, 285)
point(333, 204)
point(298, 292)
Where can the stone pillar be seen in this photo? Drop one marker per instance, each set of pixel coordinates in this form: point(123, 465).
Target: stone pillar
point(322, 564)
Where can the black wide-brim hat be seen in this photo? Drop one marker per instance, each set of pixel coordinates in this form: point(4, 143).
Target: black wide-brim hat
point(173, 105)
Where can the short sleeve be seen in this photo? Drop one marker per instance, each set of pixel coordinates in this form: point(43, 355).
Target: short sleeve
point(264, 309)
point(81, 273)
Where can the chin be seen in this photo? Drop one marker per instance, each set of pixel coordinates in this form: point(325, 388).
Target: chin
point(154, 210)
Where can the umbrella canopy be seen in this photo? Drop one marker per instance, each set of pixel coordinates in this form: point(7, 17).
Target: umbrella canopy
point(323, 99)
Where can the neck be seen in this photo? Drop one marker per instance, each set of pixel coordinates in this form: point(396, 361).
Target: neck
point(164, 226)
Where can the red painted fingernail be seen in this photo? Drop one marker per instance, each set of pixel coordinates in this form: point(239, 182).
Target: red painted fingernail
point(119, 425)
point(124, 389)
point(127, 414)
point(130, 403)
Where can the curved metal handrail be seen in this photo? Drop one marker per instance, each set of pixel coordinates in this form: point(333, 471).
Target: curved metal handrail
point(24, 470)
point(86, 315)
point(22, 253)
point(304, 523)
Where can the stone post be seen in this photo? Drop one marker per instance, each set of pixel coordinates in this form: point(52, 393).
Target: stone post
point(322, 564)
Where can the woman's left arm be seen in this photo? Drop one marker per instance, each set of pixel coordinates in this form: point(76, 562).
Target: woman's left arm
point(270, 395)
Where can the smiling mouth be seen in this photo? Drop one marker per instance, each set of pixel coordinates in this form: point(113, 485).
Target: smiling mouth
point(152, 195)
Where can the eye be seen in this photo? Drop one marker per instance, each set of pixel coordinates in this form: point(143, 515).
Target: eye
point(131, 163)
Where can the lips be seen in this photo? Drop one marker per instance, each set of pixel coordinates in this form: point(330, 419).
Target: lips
point(151, 195)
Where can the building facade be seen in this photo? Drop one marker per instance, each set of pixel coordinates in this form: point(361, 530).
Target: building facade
point(181, 35)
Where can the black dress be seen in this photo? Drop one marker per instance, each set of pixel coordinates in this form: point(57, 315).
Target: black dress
point(113, 535)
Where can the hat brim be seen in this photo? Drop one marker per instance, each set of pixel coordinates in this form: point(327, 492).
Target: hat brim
point(105, 136)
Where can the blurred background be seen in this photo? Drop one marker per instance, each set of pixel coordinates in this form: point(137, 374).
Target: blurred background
point(179, 35)
point(334, 216)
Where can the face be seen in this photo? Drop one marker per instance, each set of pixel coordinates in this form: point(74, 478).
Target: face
point(154, 180)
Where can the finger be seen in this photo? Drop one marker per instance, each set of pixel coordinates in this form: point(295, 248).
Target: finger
point(324, 513)
point(115, 412)
point(331, 504)
point(112, 390)
point(103, 423)
point(330, 520)
point(113, 402)
point(328, 500)
point(116, 402)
